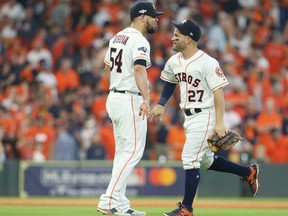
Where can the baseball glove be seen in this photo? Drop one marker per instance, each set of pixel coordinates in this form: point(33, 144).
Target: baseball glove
point(226, 142)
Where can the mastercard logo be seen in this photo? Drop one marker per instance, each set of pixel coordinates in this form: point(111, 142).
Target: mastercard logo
point(162, 176)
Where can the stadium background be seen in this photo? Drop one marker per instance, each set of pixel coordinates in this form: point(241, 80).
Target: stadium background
point(53, 88)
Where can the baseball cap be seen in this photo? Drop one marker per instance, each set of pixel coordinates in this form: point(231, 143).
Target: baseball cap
point(190, 28)
point(143, 8)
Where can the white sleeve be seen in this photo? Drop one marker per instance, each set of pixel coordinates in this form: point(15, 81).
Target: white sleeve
point(141, 50)
point(214, 75)
point(167, 73)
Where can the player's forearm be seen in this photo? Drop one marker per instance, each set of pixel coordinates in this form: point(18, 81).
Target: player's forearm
point(142, 82)
point(219, 103)
point(107, 73)
point(167, 92)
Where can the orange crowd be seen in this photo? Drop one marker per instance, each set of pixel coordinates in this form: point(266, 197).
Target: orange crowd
point(53, 88)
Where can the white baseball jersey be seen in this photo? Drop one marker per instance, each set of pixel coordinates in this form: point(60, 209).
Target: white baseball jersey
point(129, 128)
point(197, 76)
point(126, 47)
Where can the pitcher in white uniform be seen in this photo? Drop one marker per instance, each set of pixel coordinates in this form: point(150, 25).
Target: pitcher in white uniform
point(202, 99)
point(126, 60)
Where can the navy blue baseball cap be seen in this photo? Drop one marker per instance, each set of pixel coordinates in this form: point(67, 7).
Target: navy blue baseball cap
point(144, 8)
point(190, 28)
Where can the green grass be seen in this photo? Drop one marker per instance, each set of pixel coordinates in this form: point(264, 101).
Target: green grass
point(240, 212)
point(91, 211)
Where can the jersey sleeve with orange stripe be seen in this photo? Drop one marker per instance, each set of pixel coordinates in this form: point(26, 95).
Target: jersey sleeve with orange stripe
point(141, 51)
point(167, 74)
point(214, 75)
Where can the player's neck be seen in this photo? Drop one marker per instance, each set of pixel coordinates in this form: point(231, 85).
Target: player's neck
point(189, 52)
point(138, 27)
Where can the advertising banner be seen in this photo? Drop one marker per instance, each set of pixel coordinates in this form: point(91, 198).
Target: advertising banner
point(89, 181)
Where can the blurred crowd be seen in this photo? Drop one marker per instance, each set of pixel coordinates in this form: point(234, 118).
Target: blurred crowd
point(53, 89)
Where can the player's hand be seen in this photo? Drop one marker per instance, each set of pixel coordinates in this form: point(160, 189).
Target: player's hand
point(220, 129)
point(156, 113)
point(144, 109)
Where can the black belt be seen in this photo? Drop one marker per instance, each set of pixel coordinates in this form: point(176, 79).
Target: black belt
point(125, 92)
point(192, 111)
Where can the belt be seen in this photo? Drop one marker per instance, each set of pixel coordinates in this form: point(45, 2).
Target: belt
point(190, 112)
point(125, 92)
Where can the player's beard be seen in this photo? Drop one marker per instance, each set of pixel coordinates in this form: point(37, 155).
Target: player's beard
point(151, 29)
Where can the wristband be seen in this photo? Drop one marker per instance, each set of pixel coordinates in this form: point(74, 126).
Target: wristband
point(162, 101)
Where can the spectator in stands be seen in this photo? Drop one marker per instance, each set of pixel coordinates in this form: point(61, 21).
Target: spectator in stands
point(282, 17)
point(249, 121)
point(10, 148)
point(231, 118)
point(216, 32)
point(18, 51)
point(52, 36)
point(259, 85)
point(46, 134)
point(38, 155)
point(278, 95)
point(12, 10)
point(48, 78)
point(156, 141)
point(39, 53)
point(28, 27)
point(9, 31)
point(60, 13)
point(65, 145)
point(99, 108)
point(8, 134)
point(86, 137)
point(267, 121)
point(275, 52)
point(85, 66)
point(106, 139)
point(7, 78)
point(276, 151)
point(97, 150)
point(66, 70)
point(237, 96)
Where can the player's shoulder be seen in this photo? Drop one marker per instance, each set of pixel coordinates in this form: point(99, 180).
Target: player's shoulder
point(129, 36)
point(174, 57)
point(207, 58)
point(134, 34)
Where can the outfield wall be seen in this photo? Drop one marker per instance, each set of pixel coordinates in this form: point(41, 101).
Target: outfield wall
point(90, 179)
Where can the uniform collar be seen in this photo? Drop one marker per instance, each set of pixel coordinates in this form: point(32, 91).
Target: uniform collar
point(192, 58)
point(131, 30)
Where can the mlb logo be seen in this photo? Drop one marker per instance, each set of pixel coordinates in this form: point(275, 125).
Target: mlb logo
point(144, 49)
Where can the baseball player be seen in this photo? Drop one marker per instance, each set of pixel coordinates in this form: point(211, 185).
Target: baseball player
point(201, 81)
point(127, 104)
